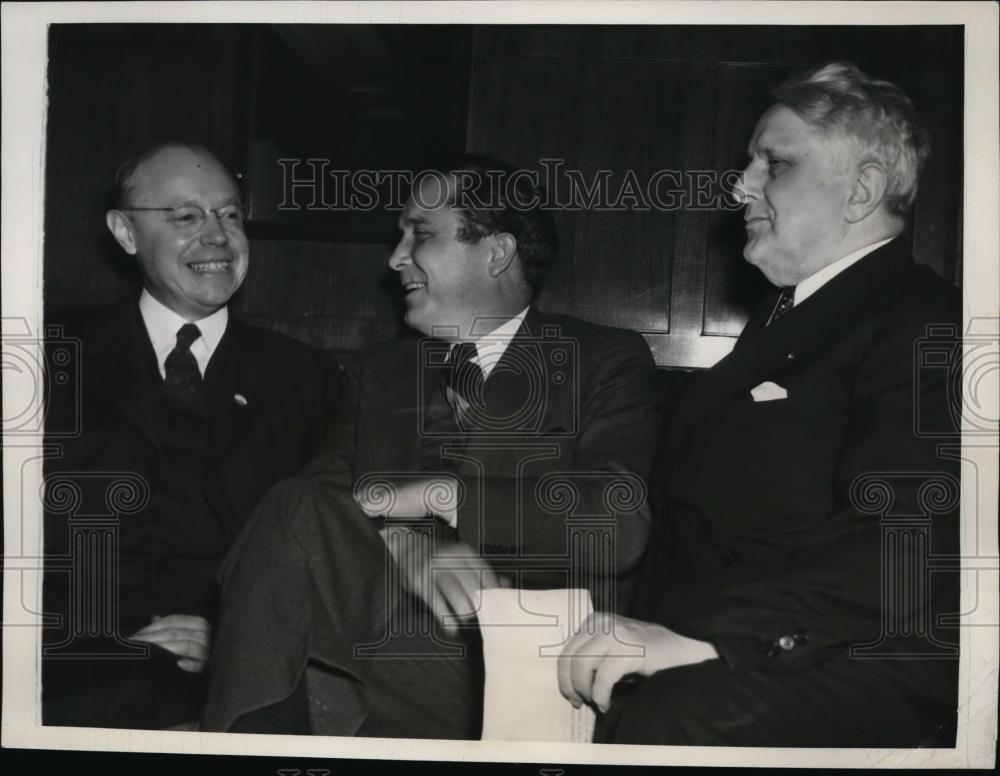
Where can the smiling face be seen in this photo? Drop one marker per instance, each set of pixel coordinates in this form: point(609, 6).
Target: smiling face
point(446, 281)
point(796, 188)
point(194, 274)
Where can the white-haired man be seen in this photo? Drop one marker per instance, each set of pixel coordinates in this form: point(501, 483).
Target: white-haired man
point(802, 493)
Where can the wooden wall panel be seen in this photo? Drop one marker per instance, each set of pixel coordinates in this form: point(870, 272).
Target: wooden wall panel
point(337, 296)
point(732, 286)
point(616, 98)
point(688, 98)
point(592, 115)
point(112, 89)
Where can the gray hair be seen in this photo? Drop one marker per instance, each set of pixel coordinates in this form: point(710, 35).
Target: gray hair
point(876, 115)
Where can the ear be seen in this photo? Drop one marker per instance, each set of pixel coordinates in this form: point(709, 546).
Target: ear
point(121, 228)
point(867, 193)
point(502, 253)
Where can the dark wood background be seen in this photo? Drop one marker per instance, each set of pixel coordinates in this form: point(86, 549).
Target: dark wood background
point(599, 98)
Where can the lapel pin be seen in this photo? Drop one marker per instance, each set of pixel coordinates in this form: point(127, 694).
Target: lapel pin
point(240, 399)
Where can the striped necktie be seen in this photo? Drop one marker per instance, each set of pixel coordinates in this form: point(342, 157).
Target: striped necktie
point(464, 380)
point(183, 379)
point(786, 300)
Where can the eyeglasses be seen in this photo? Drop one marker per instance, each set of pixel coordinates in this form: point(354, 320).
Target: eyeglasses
point(190, 219)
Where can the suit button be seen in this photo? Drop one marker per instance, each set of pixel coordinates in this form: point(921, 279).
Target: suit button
point(730, 559)
point(786, 643)
point(706, 529)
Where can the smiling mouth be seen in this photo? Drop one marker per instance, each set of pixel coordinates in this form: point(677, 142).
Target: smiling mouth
point(409, 288)
point(207, 267)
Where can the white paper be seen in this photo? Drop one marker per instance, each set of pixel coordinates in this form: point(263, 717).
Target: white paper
point(523, 635)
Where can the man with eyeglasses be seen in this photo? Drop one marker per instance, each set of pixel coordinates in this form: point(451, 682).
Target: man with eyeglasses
point(194, 413)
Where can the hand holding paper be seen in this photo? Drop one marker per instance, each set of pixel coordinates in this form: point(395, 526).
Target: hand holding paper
point(604, 651)
point(446, 576)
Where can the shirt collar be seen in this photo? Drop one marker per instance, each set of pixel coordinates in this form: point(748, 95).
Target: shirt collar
point(817, 280)
point(162, 325)
point(491, 345)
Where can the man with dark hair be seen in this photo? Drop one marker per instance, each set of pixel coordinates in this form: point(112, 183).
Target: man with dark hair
point(185, 417)
point(506, 447)
point(493, 197)
point(802, 566)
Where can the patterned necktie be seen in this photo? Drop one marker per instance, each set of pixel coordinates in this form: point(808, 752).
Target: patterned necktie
point(464, 379)
point(786, 300)
point(183, 376)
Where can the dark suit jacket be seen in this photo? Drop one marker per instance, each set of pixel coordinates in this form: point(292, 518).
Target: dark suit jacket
point(569, 432)
point(268, 397)
point(573, 442)
point(784, 528)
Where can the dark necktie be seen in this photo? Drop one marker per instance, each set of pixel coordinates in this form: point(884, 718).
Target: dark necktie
point(465, 379)
point(183, 376)
point(786, 300)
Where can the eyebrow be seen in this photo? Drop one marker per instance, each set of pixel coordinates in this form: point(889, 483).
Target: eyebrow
point(413, 221)
point(223, 203)
point(766, 151)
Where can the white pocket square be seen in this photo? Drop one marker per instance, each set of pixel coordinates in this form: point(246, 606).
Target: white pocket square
point(768, 392)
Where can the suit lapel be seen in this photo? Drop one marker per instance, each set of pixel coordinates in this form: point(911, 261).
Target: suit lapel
point(391, 412)
point(232, 375)
point(520, 390)
point(762, 350)
point(126, 374)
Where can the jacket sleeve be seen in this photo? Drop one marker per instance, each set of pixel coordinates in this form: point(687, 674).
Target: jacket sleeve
point(600, 488)
point(335, 427)
point(878, 565)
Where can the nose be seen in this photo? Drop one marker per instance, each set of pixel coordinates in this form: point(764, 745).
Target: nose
point(212, 232)
point(747, 186)
point(400, 257)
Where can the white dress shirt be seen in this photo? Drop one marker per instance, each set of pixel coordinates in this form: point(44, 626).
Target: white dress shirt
point(490, 348)
point(817, 280)
point(162, 325)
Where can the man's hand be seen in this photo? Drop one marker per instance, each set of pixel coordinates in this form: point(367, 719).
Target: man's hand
point(410, 497)
point(604, 650)
point(446, 578)
point(185, 635)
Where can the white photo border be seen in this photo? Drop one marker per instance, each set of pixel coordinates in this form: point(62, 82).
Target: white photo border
point(24, 60)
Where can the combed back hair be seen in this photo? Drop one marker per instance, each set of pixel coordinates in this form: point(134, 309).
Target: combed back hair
point(493, 197)
point(874, 114)
point(123, 186)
